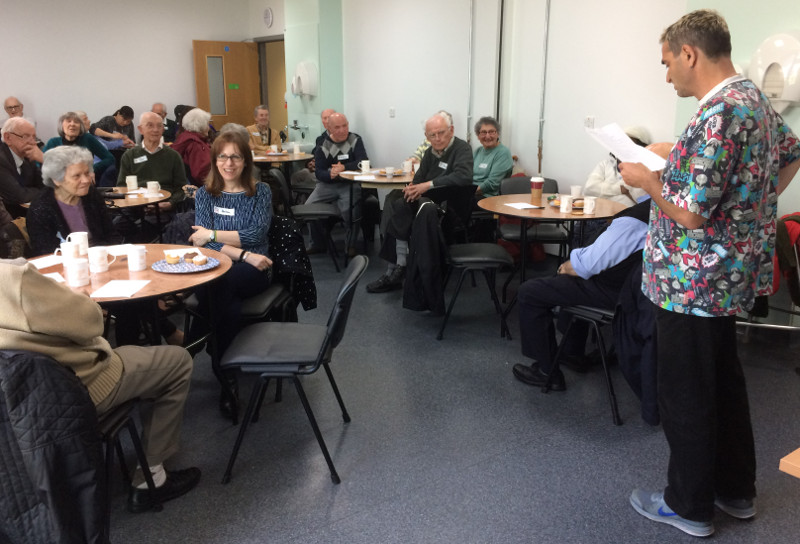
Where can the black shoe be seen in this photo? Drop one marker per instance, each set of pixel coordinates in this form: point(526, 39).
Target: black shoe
point(229, 406)
point(388, 282)
point(179, 482)
point(535, 376)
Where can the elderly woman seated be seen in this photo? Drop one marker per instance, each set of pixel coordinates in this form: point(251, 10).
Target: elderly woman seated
point(73, 131)
point(70, 203)
point(492, 162)
point(193, 145)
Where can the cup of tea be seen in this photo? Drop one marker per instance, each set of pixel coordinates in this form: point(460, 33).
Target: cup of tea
point(131, 183)
point(566, 204)
point(364, 166)
point(537, 185)
point(407, 166)
point(589, 204)
point(296, 149)
point(77, 272)
point(137, 260)
point(98, 259)
point(576, 190)
point(68, 251)
point(389, 172)
point(273, 148)
point(82, 239)
point(153, 187)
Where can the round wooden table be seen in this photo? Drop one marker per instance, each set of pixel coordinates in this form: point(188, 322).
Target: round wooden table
point(282, 157)
point(380, 181)
point(135, 203)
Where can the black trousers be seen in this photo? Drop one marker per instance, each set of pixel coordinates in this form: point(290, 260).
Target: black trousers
point(537, 298)
point(705, 413)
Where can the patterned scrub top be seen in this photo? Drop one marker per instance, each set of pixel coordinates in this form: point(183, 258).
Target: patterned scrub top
point(725, 168)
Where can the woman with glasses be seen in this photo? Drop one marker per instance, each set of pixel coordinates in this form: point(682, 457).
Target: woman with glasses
point(233, 215)
point(492, 162)
point(193, 145)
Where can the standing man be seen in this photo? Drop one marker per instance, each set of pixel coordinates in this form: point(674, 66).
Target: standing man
point(20, 178)
point(13, 107)
point(153, 161)
point(170, 126)
point(261, 135)
point(723, 176)
point(338, 150)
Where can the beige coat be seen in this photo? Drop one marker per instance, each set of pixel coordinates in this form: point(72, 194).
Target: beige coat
point(255, 139)
point(42, 315)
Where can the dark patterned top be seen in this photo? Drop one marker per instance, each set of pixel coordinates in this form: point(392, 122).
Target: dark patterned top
point(725, 168)
point(249, 215)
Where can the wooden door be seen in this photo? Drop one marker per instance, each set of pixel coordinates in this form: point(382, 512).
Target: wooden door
point(276, 84)
point(227, 80)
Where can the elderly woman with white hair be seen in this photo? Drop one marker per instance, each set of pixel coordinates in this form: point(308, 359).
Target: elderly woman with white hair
point(193, 145)
point(69, 202)
point(73, 131)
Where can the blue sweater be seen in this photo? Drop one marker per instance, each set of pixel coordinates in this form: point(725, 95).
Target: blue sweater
point(249, 215)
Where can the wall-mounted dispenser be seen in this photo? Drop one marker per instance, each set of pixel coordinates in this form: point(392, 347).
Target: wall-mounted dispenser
point(305, 80)
point(775, 68)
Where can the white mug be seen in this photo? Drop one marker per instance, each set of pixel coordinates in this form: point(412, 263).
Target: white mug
point(98, 259)
point(273, 148)
point(137, 260)
point(131, 183)
point(576, 190)
point(77, 272)
point(390, 172)
point(566, 204)
point(153, 187)
point(296, 149)
point(68, 250)
point(407, 166)
point(589, 204)
point(82, 239)
point(364, 166)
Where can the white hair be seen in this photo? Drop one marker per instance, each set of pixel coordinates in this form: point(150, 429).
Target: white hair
point(235, 127)
point(56, 161)
point(12, 123)
point(196, 120)
point(146, 113)
point(446, 116)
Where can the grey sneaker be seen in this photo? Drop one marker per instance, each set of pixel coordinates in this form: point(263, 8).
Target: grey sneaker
point(738, 508)
point(651, 505)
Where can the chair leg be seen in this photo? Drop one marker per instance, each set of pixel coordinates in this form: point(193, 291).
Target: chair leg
point(254, 396)
point(278, 389)
point(140, 455)
point(491, 281)
point(508, 281)
point(315, 427)
point(452, 303)
point(612, 397)
point(332, 251)
point(345, 415)
point(261, 400)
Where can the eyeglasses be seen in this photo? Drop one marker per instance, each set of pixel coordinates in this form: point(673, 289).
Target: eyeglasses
point(14, 108)
point(438, 135)
point(234, 158)
point(487, 132)
point(24, 136)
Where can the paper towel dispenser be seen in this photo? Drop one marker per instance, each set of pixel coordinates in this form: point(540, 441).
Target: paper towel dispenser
point(775, 68)
point(305, 80)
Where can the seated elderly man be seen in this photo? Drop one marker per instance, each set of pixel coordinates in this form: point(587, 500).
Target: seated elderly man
point(492, 161)
point(305, 176)
point(20, 178)
point(338, 151)
point(605, 180)
point(261, 135)
point(42, 315)
point(445, 166)
point(153, 161)
point(170, 126)
point(594, 276)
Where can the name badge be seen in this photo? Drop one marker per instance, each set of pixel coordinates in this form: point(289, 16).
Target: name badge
point(483, 165)
point(256, 134)
point(141, 159)
point(224, 211)
point(343, 157)
point(443, 165)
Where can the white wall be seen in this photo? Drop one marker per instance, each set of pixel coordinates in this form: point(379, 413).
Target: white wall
point(97, 55)
point(258, 29)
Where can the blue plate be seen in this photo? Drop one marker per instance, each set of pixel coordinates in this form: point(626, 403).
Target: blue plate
point(183, 267)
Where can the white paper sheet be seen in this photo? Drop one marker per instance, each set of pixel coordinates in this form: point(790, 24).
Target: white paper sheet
point(524, 206)
point(613, 138)
point(55, 276)
point(120, 288)
point(365, 178)
point(47, 260)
